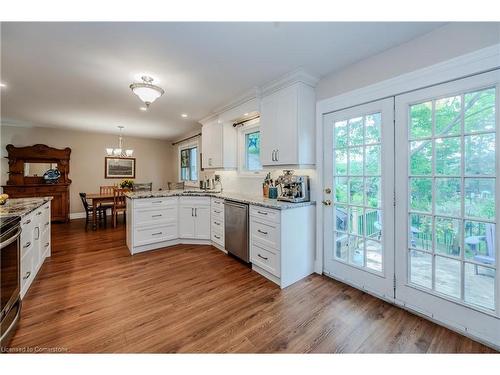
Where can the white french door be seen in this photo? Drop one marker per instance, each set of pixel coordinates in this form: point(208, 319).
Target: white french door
point(358, 196)
point(447, 195)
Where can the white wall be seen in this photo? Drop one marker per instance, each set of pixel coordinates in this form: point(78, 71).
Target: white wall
point(442, 44)
point(153, 157)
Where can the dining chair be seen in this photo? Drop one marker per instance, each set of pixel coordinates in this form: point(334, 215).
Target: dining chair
point(119, 204)
point(176, 185)
point(107, 190)
point(89, 209)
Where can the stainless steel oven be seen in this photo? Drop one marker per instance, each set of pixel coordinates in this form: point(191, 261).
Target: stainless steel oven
point(10, 231)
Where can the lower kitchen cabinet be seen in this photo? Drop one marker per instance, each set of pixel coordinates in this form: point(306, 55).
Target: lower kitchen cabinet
point(194, 218)
point(282, 243)
point(35, 244)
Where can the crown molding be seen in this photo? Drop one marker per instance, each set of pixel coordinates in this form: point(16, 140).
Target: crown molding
point(296, 76)
point(253, 93)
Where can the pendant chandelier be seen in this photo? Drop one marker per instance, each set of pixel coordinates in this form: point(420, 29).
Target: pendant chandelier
point(119, 151)
point(146, 91)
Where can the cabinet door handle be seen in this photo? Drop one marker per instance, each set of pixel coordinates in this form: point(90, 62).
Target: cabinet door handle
point(273, 157)
point(261, 231)
point(28, 244)
point(262, 213)
point(192, 211)
point(260, 256)
point(158, 215)
point(156, 234)
point(27, 222)
point(28, 274)
point(277, 155)
point(47, 244)
point(196, 212)
point(216, 236)
point(37, 233)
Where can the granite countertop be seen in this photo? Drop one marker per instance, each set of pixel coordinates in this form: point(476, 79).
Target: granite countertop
point(250, 199)
point(21, 206)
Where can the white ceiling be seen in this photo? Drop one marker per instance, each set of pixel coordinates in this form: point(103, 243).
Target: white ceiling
point(76, 75)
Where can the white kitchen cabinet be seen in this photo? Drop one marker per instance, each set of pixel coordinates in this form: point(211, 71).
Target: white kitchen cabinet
point(282, 243)
point(218, 145)
point(194, 218)
point(202, 222)
point(287, 126)
point(186, 222)
point(217, 222)
point(35, 244)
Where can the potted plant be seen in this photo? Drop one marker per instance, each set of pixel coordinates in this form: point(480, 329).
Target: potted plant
point(126, 184)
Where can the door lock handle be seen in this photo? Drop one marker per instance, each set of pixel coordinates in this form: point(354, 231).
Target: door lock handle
point(327, 202)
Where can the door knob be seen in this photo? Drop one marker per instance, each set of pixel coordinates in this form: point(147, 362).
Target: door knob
point(328, 190)
point(327, 202)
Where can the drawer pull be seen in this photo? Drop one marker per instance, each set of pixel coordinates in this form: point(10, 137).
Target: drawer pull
point(47, 223)
point(47, 244)
point(28, 244)
point(216, 223)
point(27, 222)
point(260, 256)
point(46, 207)
point(156, 215)
point(157, 202)
point(261, 231)
point(38, 213)
point(216, 236)
point(156, 234)
point(28, 274)
point(262, 213)
point(217, 212)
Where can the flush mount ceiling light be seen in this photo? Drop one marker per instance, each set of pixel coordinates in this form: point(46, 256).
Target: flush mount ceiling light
point(119, 151)
point(146, 91)
point(184, 115)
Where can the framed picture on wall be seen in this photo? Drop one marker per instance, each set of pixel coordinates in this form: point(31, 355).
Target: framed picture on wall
point(115, 167)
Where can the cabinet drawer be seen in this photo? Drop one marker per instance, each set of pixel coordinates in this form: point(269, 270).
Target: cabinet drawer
point(218, 238)
point(155, 202)
point(218, 213)
point(265, 213)
point(45, 244)
point(46, 212)
point(217, 224)
point(157, 233)
point(26, 246)
point(265, 258)
point(27, 273)
point(266, 233)
point(152, 216)
point(217, 203)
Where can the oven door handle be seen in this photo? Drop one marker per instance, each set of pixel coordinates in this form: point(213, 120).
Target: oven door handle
point(11, 239)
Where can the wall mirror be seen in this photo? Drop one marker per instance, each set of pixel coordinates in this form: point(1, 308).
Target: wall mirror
point(37, 169)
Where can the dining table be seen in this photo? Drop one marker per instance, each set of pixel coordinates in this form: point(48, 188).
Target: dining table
point(96, 199)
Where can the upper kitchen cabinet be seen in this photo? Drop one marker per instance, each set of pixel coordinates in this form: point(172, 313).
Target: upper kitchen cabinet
point(287, 122)
point(219, 137)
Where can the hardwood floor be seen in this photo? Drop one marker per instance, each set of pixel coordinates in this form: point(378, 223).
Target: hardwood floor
point(93, 296)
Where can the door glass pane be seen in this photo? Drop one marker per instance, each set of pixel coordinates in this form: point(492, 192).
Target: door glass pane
point(447, 236)
point(421, 158)
point(421, 120)
point(448, 156)
point(480, 286)
point(357, 185)
point(480, 154)
point(420, 268)
point(420, 232)
point(421, 194)
point(480, 197)
point(479, 241)
point(356, 250)
point(480, 111)
point(448, 115)
point(448, 196)
point(448, 276)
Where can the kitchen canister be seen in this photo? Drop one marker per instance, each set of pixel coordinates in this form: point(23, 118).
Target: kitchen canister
point(273, 192)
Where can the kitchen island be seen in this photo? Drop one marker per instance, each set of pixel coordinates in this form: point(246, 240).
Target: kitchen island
point(281, 234)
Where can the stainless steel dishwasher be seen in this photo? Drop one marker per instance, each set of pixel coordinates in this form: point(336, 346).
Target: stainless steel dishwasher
point(236, 229)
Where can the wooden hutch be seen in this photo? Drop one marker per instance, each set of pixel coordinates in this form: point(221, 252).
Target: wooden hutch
point(26, 168)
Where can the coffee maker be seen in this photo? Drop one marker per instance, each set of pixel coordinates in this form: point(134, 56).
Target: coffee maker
point(293, 188)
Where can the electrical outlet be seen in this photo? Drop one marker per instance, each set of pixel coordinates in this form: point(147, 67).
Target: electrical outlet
point(217, 177)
